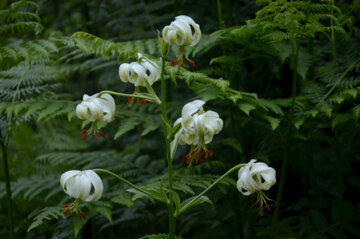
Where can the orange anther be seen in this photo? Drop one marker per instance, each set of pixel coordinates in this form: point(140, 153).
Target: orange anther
point(206, 154)
point(138, 102)
point(65, 205)
point(129, 100)
point(211, 153)
point(173, 63)
point(144, 101)
point(96, 137)
point(79, 214)
point(65, 211)
point(84, 135)
point(192, 63)
point(71, 214)
point(102, 134)
point(181, 63)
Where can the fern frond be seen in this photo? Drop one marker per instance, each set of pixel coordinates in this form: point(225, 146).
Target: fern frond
point(47, 213)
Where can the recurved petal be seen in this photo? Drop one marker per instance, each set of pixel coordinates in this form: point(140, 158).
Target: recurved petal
point(212, 122)
point(197, 32)
point(66, 176)
point(108, 107)
point(84, 186)
point(242, 189)
point(123, 72)
point(96, 183)
point(164, 33)
point(82, 111)
point(191, 108)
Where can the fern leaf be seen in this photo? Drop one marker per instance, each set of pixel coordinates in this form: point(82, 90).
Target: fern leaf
point(47, 213)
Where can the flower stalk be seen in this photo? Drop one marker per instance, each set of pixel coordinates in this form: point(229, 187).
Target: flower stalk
point(185, 207)
point(172, 218)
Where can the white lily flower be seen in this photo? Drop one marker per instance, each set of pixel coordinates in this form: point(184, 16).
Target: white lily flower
point(198, 128)
point(94, 108)
point(182, 32)
point(255, 177)
point(138, 73)
point(79, 184)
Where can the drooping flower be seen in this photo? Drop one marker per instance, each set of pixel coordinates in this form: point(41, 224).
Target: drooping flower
point(93, 109)
point(198, 129)
point(254, 178)
point(182, 32)
point(143, 72)
point(83, 186)
point(138, 73)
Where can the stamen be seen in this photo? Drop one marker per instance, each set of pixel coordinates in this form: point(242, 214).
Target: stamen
point(138, 102)
point(181, 63)
point(144, 101)
point(66, 210)
point(71, 214)
point(102, 134)
point(65, 205)
point(188, 160)
point(211, 153)
point(96, 137)
point(173, 63)
point(129, 100)
point(206, 154)
point(83, 216)
point(79, 214)
point(84, 134)
point(192, 63)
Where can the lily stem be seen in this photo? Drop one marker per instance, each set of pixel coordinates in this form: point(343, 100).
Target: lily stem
point(186, 206)
point(122, 179)
point(172, 219)
point(141, 96)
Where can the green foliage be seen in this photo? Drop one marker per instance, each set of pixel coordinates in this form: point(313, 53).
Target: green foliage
point(52, 53)
point(15, 19)
point(46, 213)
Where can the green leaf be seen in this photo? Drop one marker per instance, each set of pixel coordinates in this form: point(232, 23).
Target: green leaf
point(246, 108)
point(78, 224)
point(274, 122)
point(46, 213)
point(199, 201)
point(341, 118)
point(123, 199)
point(125, 126)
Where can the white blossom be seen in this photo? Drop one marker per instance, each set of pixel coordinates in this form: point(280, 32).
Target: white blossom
point(79, 184)
point(198, 128)
point(138, 73)
point(95, 108)
point(182, 32)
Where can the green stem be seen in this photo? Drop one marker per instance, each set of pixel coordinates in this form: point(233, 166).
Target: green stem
point(185, 207)
point(172, 219)
point(141, 96)
point(4, 144)
point(122, 180)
